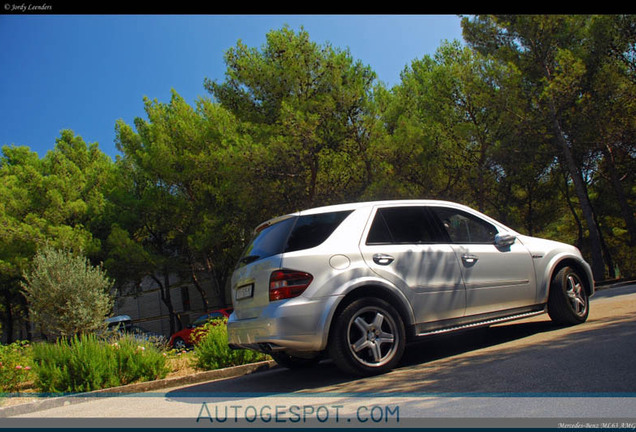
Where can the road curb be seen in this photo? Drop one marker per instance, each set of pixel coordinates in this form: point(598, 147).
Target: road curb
point(614, 284)
point(58, 401)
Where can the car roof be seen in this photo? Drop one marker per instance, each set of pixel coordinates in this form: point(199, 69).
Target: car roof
point(118, 318)
point(358, 205)
point(355, 206)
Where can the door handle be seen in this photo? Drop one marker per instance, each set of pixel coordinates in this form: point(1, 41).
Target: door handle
point(469, 260)
point(382, 259)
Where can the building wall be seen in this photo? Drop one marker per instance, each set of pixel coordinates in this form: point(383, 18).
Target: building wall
point(147, 310)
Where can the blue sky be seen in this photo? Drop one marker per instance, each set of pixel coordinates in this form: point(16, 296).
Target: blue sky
point(84, 72)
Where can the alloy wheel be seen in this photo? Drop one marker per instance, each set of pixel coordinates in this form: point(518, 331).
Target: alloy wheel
point(576, 294)
point(371, 336)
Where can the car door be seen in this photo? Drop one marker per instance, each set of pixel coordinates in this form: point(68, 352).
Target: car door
point(402, 245)
point(496, 277)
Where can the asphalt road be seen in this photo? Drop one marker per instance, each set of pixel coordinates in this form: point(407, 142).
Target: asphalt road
point(527, 373)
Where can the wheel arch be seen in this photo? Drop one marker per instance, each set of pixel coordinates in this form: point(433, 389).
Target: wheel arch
point(376, 290)
point(568, 261)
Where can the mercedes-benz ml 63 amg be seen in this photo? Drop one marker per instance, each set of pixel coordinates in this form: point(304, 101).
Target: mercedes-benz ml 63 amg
point(357, 281)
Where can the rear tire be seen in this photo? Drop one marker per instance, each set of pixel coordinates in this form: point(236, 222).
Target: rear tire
point(568, 303)
point(367, 338)
point(179, 344)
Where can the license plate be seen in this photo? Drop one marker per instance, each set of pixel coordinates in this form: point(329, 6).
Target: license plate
point(246, 291)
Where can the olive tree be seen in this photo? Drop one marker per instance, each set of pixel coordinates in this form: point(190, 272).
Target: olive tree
point(66, 295)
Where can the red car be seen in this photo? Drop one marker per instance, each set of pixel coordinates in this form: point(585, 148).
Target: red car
point(185, 338)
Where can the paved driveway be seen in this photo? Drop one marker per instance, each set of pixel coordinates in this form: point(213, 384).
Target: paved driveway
point(522, 374)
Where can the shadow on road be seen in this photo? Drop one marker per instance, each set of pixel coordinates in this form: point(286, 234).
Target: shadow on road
point(274, 381)
point(439, 347)
point(528, 356)
point(326, 377)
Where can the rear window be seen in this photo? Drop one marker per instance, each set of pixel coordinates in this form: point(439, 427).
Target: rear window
point(293, 234)
point(268, 241)
point(205, 318)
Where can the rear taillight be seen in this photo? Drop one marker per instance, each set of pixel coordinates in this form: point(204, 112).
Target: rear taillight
point(285, 284)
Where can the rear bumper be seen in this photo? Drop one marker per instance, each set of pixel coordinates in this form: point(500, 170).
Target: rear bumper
point(290, 325)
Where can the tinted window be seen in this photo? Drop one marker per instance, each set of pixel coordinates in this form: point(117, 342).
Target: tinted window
point(312, 230)
point(379, 232)
point(205, 318)
point(465, 228)
point(401, 225)
point(292, 234)
point(268, 242)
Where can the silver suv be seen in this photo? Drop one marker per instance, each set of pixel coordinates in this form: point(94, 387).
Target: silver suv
point(358, 281)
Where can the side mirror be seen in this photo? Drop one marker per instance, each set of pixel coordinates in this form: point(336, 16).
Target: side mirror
point(504, 240)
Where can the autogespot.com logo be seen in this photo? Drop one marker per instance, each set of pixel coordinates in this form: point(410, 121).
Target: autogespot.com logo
point(299, 414)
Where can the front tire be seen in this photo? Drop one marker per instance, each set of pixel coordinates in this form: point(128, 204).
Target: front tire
point(568, 302)
point(367, 338)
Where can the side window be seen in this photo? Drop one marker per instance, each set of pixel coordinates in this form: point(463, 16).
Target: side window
point(401, 225)
point(465, 228)
point(312, 230)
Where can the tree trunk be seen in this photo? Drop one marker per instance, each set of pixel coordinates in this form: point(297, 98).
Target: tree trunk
point(626, 211)
point(164, 289)
point(7, 327)
point(530, 214)
point(219, 288)
point(197, 284)
point(598, 265)
point(566, 192)
point(27, 317)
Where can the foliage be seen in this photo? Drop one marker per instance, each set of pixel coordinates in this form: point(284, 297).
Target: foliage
point(15, 366)
point(86, 362)
point(309, 110)
point(66, 294)
point(574, 79)
point(211, 350)
point(57, 200)
point(175, 187)
point(532, 120)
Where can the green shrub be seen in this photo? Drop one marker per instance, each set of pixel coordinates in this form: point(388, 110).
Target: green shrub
point(15, 366)
point(212, 350)
point(86, 363)
point(66, 294)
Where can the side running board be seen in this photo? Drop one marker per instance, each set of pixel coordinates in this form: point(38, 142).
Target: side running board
point(481, 323)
